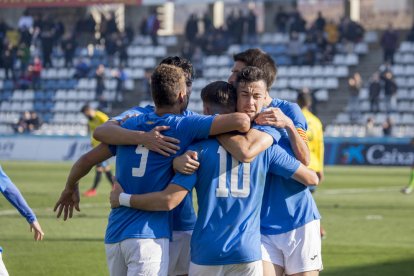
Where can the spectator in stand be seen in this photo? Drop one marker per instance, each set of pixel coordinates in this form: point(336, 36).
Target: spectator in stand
point(34, 123)
point(25, 36)
point(25, 21)
point(153, 25)
point(387, 127)
point(9, 58)
point(251, 28)
point(59, 29)
point(295, 48)
point(207, 23)
point(69, 45)
point(35, 71)
point(280, 20)
point(370, 127)
point(82, 69)
point(111, 26)
point(47, 37)
point(25, 80)
point(374, 92)
point(22, 125)
point(389, 43)
point(100, 86)
point(297, 23)
point(111, 48)
point(120, 77)
point(122, 43)
point(320, 22)
point(331, 32)
point(23, 54)
point(191, 29)
point(390, 92)
point(354, 86)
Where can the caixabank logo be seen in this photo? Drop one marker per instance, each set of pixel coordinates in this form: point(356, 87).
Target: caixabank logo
point(376, 154)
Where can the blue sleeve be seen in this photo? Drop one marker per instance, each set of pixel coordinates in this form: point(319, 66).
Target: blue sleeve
point(293, 111)
point(281, 162)
point(197, 126)
point(185, 181)
point(13, 195)
point(274, 132)
point(189, 113)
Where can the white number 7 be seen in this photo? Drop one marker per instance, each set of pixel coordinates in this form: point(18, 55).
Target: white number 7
point(222, 190)
point(140, 171)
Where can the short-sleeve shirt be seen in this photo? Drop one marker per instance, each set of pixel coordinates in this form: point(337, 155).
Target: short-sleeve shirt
point(96, 121)
point(229, 195)
point(142, 171)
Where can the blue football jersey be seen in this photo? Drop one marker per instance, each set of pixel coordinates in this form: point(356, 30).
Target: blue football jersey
point(229, 196)
point(142, 171)
point(184, 217)
point(287, 204)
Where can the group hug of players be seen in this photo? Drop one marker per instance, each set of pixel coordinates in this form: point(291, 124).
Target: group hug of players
point(246, 158)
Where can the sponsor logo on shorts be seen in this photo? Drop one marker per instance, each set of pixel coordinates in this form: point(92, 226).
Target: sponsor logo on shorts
point(314, 257)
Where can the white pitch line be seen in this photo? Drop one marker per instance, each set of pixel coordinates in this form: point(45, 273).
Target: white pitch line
point(356, 191)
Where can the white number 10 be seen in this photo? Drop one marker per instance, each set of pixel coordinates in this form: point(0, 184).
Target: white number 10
point(140, 171)
point(222, 190)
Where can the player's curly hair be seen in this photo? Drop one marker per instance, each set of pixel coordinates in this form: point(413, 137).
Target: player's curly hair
point(258, 58)
point(167, 81)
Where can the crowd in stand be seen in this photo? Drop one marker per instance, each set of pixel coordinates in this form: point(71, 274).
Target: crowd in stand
point(28, 122)
point(317, 45)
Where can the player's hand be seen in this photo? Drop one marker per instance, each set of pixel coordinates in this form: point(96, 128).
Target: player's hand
point(320, 175)
point(38, 233)
point(68, 200)
point(273, 117)
point(114, 195)
point(159, 143)
point(186, 163)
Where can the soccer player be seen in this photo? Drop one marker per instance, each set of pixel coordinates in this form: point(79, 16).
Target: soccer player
point(95, 119)
point(13, 195)
point(409, 189)
point(137, 241)
point(278, 111)
point(227, 233)
point(315, 140)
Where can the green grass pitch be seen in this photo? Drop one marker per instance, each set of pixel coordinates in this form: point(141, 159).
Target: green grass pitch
point(370, 224)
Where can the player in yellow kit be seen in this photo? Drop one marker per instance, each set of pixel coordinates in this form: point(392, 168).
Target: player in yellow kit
point(95, 119)
point(315, 139)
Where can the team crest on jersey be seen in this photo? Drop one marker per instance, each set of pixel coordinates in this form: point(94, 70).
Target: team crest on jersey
point(150, 122)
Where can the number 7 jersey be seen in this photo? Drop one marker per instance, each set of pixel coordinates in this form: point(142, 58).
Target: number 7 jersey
point(229, 195)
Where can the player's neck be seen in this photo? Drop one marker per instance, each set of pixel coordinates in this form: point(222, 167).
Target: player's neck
point(160, 111)
point(268, 100)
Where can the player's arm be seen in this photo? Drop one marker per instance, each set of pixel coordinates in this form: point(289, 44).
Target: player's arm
point(321, 153)
point(276, 118)
point(246, 147)
point(164, 200)
point(112, 133)
point(13, 195)
point(306, 176)
point(230, 122)
point(69, 197)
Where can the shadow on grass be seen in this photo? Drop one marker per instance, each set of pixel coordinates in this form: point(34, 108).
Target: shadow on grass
point(403, 267)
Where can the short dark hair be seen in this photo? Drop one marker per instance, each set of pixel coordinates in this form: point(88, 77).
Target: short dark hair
point(221, 94)
point(181, 62)
point(166, 83)
point(250, 74)
point(258, 58)
point(85, 107)
point(304, 99)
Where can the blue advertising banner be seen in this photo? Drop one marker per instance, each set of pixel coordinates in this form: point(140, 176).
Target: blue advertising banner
point(369, 151)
